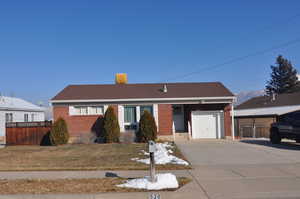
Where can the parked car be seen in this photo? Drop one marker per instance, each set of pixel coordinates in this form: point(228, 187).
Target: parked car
point(287, 126)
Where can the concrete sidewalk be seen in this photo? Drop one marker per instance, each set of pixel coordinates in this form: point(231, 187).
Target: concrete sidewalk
point(83, 174)
point(191, 190)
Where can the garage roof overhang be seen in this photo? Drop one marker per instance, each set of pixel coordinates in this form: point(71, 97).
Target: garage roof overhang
point(270, 111)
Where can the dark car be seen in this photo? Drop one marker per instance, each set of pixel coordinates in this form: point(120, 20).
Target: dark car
point(287, 126)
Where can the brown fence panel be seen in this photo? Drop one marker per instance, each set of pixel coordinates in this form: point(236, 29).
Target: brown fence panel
point(26, 133)
point(262, 132)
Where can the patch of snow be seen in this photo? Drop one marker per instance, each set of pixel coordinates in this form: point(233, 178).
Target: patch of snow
point(164, 181)
point(162, 155)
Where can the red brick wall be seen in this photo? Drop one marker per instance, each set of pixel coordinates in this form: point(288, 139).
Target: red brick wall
point(227, 120)
point(165, 119)
point(77, 124)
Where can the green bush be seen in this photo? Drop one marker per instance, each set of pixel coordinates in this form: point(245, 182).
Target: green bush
point(111, 128)
point(147, 128)
point(59, 132)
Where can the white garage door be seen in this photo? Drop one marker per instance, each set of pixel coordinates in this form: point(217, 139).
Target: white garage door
point(206, 124)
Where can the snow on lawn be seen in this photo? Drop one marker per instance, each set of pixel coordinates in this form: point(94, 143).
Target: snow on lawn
point(164, 181)
point(162, 155)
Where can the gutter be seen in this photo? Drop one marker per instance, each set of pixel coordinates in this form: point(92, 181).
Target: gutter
point(146, 99)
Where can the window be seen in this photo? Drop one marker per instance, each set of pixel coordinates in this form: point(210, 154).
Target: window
point(130, 114)
point(32, 117)
point(8, 117)
point(88, 110)
point(146, 108)
point(96, 110)
point(81, 110)
point(25, 117)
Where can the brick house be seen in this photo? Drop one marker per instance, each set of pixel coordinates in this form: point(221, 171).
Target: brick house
point(191, 110)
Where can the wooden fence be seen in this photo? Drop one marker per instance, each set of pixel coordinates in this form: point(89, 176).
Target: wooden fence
point(26, 133)
point(254, 132)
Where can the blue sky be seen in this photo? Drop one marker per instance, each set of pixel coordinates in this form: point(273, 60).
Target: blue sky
point(46, 45)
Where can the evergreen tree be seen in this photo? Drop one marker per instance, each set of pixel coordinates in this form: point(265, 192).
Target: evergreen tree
point(111, 128)
point(283, 78)
point(59, 132)
point(147, 128)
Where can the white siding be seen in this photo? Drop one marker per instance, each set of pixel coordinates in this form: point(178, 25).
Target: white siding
point(2, 123)
point(18, 116)
point(121, 117)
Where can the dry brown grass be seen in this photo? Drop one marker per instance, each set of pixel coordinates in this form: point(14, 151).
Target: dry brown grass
point(77, 157)
point(69, 186)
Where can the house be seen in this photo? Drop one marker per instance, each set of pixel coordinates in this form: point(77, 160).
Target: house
point(14, 109)
point(254, 117)
point(197, 110)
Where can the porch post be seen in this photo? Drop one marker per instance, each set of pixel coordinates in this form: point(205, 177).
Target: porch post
point(189, 130)
point(232, 122)
point(173, 131)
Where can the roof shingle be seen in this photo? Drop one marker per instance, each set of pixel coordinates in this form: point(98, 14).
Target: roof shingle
point(288, 99)
point(141, 91)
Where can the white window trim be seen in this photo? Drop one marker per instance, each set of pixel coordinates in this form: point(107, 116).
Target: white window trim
point(121, 116)
point(76, 111)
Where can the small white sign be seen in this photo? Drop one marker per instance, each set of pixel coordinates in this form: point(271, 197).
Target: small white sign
point(152, 147)
point(154, 196)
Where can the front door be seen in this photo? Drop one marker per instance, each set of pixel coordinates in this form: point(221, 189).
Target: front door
point(178, 118)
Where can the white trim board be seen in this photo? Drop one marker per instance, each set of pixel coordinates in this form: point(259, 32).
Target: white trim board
point(145, 99)
point(279, 110)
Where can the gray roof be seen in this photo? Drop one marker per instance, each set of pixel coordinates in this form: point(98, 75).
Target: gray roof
point(13, 103)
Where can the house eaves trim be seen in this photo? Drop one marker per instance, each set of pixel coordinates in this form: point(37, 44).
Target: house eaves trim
point(20, 109)
point(145, 99)
point(276, 111)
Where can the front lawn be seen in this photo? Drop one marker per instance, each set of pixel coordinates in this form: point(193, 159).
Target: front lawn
point(68, 186)
point(78, 157)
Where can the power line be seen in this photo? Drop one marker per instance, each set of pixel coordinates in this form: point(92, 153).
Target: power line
point(287, 20)
point(212, 67)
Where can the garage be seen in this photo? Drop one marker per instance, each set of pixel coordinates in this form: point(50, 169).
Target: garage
point(207, 124)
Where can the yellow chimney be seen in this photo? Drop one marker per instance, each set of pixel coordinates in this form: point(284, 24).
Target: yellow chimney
point(121, 78)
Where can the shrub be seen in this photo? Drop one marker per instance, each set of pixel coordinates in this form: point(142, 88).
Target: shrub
point(111, 128)
point(147, 128)
point(59, 133)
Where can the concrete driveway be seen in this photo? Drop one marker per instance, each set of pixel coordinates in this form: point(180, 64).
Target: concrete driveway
point(244, 169)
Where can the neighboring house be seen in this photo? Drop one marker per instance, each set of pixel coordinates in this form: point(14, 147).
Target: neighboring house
point(254, 117)
point(205, 106)
point(14, 109)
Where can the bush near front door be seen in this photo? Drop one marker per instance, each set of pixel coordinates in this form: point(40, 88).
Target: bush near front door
point(147, 128)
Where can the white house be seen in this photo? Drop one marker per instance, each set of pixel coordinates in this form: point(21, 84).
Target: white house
point(18, 110)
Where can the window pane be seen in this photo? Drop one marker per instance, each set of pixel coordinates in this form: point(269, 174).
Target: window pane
point(93, 110)
point(83, 110)
point(25, 117)
point(6, 117)
point(146, 108)
point(99, 110)
point(129, 114)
